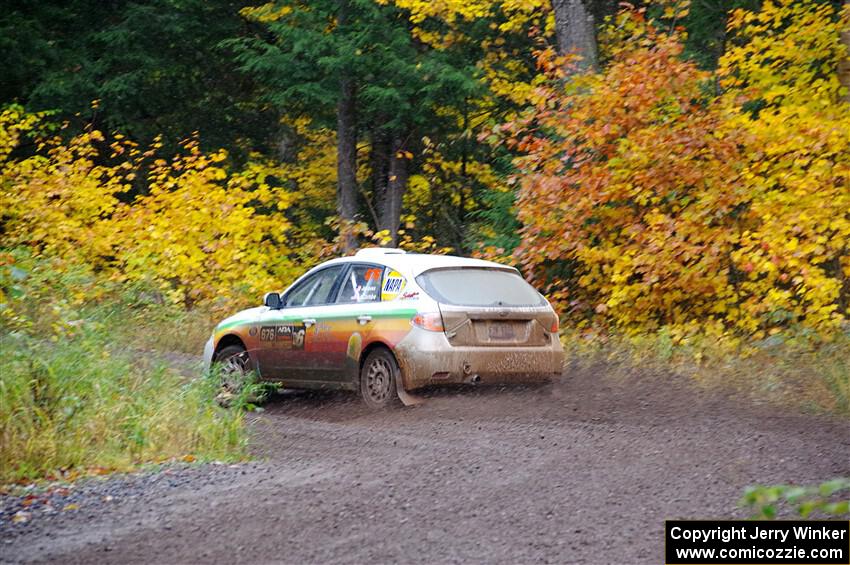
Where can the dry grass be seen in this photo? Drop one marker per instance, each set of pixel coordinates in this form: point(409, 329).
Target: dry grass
point(807, 376)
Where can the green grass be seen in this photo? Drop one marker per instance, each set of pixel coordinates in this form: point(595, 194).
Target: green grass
point(76, 403)
point(86, 383)
point(152, 326)
point(830, 499)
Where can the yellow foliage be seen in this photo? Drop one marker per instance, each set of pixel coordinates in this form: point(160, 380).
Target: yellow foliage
point(268, 12)
point(517, 14)
point(199, 232)
point(501, 67)
point(55, 201)
point(310, 178)
point(796, 165)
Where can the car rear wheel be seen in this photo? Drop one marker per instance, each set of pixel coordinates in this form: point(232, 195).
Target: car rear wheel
point(378, 378)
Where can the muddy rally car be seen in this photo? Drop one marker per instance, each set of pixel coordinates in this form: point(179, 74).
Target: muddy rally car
point(384, 322)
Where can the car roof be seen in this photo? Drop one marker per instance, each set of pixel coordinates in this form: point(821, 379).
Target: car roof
point(413, 264)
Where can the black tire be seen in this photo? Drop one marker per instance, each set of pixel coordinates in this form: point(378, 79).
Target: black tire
point(378, 377)
point(235, 371)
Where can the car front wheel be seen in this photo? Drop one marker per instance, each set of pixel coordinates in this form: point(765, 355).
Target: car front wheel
point(233, 366)
point(378, 378)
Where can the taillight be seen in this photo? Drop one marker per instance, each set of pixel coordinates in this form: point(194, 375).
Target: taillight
point(431, 321)
point(555, 323)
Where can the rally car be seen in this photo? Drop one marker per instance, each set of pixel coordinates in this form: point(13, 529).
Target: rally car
point(384, 322)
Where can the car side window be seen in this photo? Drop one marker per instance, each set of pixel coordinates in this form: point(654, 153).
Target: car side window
point(362, 283)
point(314, 290)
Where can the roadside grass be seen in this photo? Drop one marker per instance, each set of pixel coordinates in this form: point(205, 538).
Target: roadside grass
point(830, 500)
point(790, 372)
point(85, 385)
point(156, 327)
point(75, 403)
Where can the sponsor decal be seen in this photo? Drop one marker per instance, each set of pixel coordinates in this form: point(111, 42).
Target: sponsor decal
point(267, 333)
point(409, 295)
point(355, 343)
point(322, 332)
point(373, 274)
point(285, 336)
point(393, 285)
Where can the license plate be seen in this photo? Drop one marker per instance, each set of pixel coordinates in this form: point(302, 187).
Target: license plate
point(501, 331)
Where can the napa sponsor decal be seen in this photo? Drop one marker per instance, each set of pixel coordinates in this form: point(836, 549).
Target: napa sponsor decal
point(393, 285)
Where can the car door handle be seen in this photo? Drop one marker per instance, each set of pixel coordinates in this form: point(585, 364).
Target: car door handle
point(309, 322)
point(364, 319)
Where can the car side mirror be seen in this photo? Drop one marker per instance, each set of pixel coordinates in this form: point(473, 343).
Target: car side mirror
point(273, 301)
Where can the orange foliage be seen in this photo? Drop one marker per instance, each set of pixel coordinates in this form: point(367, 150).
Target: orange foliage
point(648, 201)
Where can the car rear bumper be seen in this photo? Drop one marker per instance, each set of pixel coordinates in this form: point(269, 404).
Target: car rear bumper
point(427, 358)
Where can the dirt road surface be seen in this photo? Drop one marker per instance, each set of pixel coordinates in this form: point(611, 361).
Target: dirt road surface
point(585, 471)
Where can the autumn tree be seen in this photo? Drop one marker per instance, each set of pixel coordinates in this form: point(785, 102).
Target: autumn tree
point(203, 231)
point(685, 209)
point(356, 63)
point(706, 24)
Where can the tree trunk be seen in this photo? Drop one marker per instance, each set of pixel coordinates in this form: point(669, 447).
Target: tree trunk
point(380, 161)
point(575, 32)
point(844, 65)
point(464, 159)
point(390, 206)
point(346, 191)
point(346, 156)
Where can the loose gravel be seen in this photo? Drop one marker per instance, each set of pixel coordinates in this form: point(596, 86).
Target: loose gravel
point(584, 471)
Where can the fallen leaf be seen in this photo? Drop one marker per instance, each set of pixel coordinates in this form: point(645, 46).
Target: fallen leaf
point(20, 517)
point(71, 506)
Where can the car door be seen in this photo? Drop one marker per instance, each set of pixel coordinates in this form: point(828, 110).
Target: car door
point(342, 328)
point(290, 340)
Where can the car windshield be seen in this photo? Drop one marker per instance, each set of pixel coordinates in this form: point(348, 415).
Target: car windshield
point(474, 286)
point(314, 290)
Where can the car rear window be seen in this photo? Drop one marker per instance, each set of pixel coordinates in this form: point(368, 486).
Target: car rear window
point(473, 286)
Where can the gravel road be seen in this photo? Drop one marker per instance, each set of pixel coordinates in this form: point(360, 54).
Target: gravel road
point(584, 471)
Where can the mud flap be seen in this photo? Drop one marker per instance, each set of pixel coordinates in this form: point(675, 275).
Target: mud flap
point(406, 398)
